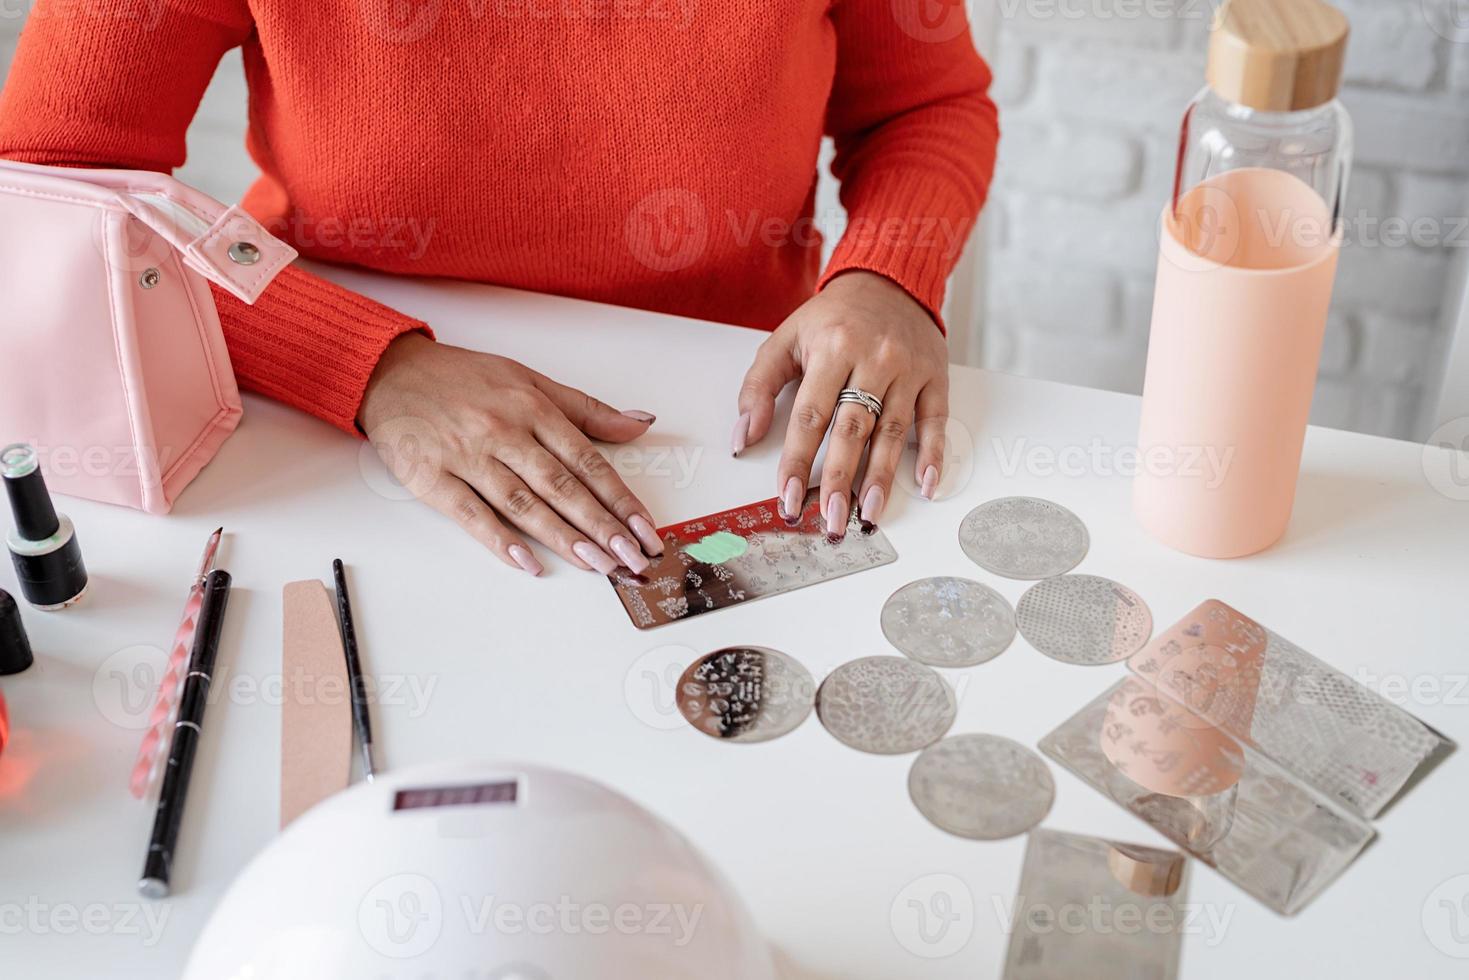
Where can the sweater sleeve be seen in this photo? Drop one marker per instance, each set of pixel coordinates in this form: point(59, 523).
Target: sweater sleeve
point(115, 83)
point(916, 135)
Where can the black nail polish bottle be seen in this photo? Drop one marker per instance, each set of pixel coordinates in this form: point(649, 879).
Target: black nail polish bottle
point(43, 545)
point(15, 647)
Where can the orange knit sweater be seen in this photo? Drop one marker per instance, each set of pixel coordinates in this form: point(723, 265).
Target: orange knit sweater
point(650, 153)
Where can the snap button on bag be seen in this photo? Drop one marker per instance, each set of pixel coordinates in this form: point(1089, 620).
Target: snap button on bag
point(243, 253)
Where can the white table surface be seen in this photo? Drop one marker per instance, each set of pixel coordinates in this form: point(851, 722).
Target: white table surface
point(820, 840)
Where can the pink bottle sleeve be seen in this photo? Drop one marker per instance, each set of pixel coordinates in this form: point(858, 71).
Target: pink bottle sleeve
point(1245, 273)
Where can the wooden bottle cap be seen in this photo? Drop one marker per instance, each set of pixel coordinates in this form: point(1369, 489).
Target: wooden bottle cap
point(1277, 55)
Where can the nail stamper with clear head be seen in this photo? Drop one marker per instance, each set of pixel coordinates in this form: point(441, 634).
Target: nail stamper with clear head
point(48, 560)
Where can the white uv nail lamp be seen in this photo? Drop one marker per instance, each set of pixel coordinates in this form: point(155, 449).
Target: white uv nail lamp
point(481, 870)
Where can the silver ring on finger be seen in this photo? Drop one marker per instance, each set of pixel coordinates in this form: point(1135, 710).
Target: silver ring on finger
point(856, 396)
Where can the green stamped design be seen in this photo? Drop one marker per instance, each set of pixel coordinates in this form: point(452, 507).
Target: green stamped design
point(717, 548)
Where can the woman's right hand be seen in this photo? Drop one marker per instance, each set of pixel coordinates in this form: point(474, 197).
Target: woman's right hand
point(499, 448)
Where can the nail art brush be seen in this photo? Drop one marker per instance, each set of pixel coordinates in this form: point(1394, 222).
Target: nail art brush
point(360, 720)
point(187, 731)
point(166, 702)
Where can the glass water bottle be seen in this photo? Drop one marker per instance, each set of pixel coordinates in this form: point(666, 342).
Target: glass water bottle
point(1247, 260)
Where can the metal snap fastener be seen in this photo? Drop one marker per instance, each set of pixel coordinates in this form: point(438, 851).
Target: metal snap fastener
point(150, 278)
point(243, 253)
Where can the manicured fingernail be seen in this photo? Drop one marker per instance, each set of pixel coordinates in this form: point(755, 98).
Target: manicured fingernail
point(836, 516)
point(637, 415)
point(646, 533)
point(629, 553)
point(872, 505)
point(595, 557)
point(930, 482)
point(791, 500)
point(741, 435)
point(522, 557)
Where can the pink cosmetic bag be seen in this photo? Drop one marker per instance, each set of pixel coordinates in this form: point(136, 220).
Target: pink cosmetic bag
point(114, 364)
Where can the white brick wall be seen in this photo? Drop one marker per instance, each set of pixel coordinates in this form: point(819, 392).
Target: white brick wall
point(11, 19)
point(1091, 93)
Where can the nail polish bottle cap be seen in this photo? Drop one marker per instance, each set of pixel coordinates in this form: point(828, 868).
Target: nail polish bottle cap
point(35, 516)
point(15, 648)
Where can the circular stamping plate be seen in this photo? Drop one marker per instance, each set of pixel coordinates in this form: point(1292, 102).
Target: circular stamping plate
point(746, 694)
point(948, 622)
point(886, 705)
point(982, 787)
point(1084, 619)
point(1024, 538)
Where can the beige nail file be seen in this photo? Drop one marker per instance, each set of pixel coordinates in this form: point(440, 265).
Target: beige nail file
point(316, 712)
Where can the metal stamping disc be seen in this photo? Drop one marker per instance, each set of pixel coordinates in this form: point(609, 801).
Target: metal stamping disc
point(886, 705)
point(1024, 538)
point(1084, 619)
point(983, 787)
point(948, 622)
point(746, 694)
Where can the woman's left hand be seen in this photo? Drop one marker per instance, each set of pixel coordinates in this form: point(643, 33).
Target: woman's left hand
point(861, 331)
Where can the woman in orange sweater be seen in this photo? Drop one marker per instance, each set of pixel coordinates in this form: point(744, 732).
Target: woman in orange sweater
point(650, 153)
